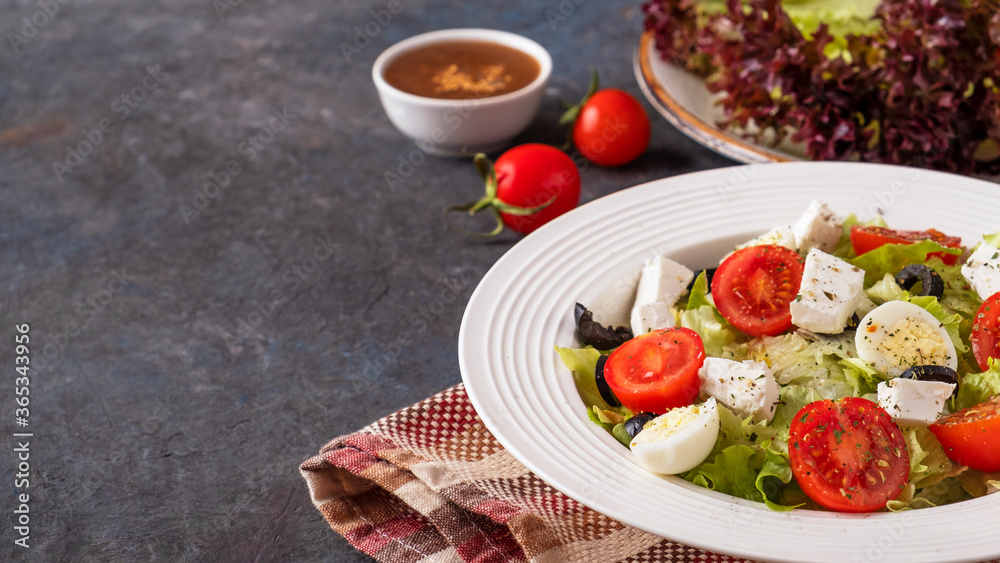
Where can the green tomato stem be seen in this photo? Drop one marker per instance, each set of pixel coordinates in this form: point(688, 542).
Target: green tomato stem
point(490, 200)
point(572, 113)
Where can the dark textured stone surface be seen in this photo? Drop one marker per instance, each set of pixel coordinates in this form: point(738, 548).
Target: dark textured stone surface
point(164, 429)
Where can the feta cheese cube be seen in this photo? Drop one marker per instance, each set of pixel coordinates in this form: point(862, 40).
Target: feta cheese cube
point(982, 270)
point(830, 293)
point(819, 227)
point(651, 316)
point(911, 402)
point(747, 387)
point(661, 282)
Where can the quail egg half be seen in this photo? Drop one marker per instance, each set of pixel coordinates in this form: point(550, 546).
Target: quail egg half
point(679, 440)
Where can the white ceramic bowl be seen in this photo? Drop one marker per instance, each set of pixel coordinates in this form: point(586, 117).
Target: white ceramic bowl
point(462, 127)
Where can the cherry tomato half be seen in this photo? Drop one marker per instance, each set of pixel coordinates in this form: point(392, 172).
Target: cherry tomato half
point(866, 239)
point(972, 436)
point(847, 454)
point(657, 371)
point(612, 128)
point(754, 287)
point(532, 174)
point(985, 335)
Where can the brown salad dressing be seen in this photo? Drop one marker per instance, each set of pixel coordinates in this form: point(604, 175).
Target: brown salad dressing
point(462, 69)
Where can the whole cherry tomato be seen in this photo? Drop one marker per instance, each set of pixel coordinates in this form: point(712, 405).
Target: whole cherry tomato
point(528, 186)
point(610, 127)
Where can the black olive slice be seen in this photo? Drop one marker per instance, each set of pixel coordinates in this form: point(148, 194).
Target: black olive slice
point(943, 374)
point(602, 384)
point(929, 279)
point(853, 322)
point(634, 425)
point(597, 335)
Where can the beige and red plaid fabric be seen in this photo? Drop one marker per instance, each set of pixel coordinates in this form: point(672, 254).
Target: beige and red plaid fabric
point(431, 484)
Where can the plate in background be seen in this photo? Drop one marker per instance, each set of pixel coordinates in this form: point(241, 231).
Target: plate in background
point(684, 100)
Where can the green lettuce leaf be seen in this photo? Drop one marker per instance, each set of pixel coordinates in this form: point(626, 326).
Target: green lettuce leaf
point(978, 387)
point(581, 362)
point(716, 334)
point(992, 240)
point(842, 17)
point(844, 249)
point(596, 415)
point(928, 462)
point(931, 481)
point(958, 295)
point(946, 491)
point(886, 289)
point(845, 17)
point(738, 455)
point(734, 430)
point(861, 376)
point(698, 296)
point(620, 434)
point(959, 298)
point(890, 258)
point(732, 471)
point(774, 476)
point(700, 315)
point(791, 400)
point(977, 483)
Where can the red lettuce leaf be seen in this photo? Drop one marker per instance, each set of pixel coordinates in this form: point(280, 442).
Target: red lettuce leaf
point(922, 90)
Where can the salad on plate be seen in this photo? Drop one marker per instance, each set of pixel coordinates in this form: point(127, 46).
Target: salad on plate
point(895, 81)
point(826, 364)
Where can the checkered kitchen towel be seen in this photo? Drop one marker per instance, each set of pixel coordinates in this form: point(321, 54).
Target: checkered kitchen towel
point(430, 483)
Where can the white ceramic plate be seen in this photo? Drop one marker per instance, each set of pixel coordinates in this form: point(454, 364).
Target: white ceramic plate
point(523, 308)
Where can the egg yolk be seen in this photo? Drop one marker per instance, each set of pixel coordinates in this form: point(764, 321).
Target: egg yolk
point(913, 342)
